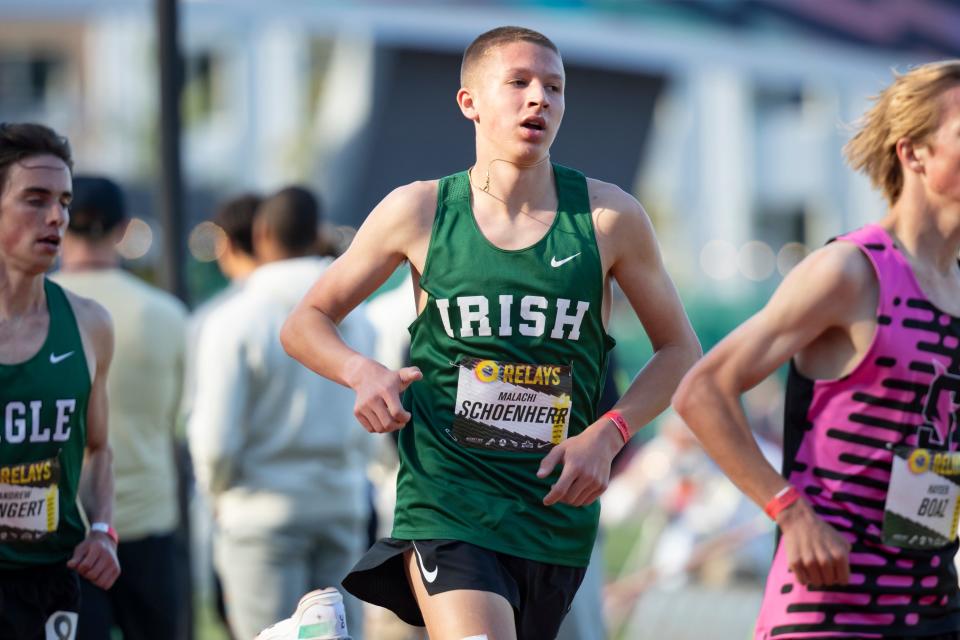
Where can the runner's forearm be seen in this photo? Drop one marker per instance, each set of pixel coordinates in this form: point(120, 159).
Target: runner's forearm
point(719, 422)
point(649, 393)
point(311, 337)
point(96, 484)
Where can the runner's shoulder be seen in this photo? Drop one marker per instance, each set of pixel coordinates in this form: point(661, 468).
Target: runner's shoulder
point(404, 214)
point(92, 317)
point(414, 203)
point(841, 266)
point(615, 211)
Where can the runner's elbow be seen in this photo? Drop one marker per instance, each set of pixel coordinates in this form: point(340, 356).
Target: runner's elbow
point(288, 335)
point(692, 352)
point(685, 397)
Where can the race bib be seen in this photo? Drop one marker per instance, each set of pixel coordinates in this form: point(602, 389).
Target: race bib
point(29, 500)
point(512, 407)
point(923, 501)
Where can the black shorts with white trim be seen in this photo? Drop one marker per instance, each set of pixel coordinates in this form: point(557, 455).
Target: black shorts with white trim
point(539, 593)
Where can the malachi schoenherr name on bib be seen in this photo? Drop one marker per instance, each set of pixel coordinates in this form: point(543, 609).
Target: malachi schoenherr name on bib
point(508, 406)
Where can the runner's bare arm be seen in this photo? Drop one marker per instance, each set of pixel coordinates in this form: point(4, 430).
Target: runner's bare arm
point(629, 245)
point(823, 293)
point(397, 229)
point(96, 557)
point(630, 255)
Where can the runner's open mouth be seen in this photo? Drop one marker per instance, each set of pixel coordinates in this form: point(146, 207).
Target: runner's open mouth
point(537, 124)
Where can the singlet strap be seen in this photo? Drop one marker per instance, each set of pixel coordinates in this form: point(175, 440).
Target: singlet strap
point(453, 188)
point(64, 328)
point(572, 185)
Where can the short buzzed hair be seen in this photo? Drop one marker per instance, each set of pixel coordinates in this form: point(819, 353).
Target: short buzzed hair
point(496, 38)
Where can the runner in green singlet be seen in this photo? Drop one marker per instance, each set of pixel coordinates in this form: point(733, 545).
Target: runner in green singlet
point(55, 349)
point(503, 455)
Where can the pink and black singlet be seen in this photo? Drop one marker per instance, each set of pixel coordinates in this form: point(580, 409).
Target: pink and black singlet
point(841, 441)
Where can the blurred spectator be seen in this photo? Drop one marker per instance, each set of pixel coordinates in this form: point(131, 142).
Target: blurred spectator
point(235, 258)
point(144, 390)
point(585, 619)
point(276, 447)
point(697, 526)
point(236, 261)
point(391, 313)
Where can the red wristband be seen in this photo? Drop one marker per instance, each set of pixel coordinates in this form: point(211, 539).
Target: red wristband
point(103, 527)
point(783, 499)
point(614, 416)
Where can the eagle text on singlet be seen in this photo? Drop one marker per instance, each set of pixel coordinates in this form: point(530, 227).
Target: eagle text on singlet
point(15, 428)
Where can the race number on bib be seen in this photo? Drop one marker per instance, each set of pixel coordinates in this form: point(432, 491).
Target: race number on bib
point(512, 407)
point(923, 499)
point(29, 500)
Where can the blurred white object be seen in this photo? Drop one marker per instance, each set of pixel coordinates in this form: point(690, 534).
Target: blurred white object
point(319, 616)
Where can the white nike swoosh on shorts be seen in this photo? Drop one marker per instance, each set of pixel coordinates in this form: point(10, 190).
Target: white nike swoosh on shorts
point(429, 576)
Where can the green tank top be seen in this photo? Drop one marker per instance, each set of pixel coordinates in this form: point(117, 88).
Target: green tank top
point(513, 353)
point(44, 410)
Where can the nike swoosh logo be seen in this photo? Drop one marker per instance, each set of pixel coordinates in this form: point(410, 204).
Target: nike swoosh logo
point(429, 576)
point(54, 359)
point(556, 263)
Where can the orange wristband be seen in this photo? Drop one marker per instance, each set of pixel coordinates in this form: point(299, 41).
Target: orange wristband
point(614, 416)
point(783, 499)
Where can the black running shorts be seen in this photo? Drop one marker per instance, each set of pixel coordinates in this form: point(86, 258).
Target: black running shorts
point(39, 602)
point(540, 593)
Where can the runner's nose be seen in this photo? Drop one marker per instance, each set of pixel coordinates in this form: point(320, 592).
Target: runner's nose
point(59, 215)
point(538, 95)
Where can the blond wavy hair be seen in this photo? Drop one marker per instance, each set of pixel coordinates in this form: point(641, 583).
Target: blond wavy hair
point(908, 108)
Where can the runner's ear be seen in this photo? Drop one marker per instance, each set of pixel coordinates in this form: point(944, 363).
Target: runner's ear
point(467, 104)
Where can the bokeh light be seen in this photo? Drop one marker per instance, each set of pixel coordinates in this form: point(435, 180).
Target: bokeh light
point(206, 242)
point(756, 260)
point(136, 241)
point(790, 256)
point(718, 259)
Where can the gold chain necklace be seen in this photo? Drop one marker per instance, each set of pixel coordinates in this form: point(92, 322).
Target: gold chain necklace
point(486, 183)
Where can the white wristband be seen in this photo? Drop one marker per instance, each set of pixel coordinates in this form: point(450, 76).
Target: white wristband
point(103, 527)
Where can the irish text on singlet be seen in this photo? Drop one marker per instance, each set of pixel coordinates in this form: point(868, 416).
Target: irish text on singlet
point(875, 454)
point(43, 405)
point(513, 353)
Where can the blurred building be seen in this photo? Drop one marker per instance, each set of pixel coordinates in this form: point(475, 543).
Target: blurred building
point(726, 118)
